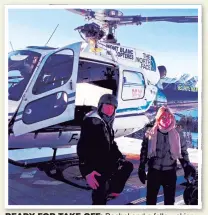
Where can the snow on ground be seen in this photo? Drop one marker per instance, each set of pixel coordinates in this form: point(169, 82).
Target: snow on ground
point(132, 146)
point(129, 145)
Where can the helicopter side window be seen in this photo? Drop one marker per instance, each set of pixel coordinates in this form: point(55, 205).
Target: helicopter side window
point(56, 71)
point(133, 85)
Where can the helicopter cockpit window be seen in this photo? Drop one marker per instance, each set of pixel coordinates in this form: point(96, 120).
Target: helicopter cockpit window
point(21, 65)
point(56, 71)
point(133, 85)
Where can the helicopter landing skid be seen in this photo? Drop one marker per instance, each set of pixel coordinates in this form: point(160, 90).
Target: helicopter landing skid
point(65, 169)
point(66, 172)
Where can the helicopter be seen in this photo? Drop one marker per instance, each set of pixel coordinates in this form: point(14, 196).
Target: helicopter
point(51, 89)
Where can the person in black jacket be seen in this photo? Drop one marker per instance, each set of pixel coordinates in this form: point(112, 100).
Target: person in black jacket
point(161, 147)
point(100, 161)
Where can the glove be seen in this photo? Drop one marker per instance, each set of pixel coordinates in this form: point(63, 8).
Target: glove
point(91, 180)
point(189, 170)
point(142, 175)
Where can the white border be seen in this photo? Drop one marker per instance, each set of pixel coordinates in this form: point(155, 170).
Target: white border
point(160, 207)
point(6, 187)
point(200, 103)
point(156, 6)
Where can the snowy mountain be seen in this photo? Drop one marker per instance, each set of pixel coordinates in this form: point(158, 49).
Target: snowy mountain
point(193, 81)
point(185, 79)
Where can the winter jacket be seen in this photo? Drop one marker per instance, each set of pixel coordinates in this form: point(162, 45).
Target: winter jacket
point(96, 148)
point(163, 159)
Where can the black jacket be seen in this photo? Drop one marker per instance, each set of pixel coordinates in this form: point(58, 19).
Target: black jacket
point(163, 159)
point(96, 148)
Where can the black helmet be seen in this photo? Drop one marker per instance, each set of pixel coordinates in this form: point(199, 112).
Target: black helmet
point(190, 194)
point(108, 99)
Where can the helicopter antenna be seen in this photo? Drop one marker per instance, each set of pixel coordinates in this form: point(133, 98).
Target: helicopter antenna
point(52, 35)
point(11, 45)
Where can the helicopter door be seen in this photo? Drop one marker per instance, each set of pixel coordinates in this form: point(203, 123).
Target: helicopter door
point(50, 97)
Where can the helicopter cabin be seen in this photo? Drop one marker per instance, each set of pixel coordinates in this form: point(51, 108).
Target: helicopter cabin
point(53, 82)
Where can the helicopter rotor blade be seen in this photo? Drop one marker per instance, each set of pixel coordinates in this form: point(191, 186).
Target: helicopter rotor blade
point(130, 20)
point(87, 13)
point(176, 19)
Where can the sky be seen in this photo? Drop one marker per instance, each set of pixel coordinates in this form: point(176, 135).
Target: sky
point(173, 45)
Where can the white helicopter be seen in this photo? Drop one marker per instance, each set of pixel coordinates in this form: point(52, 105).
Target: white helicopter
point(50, 89)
